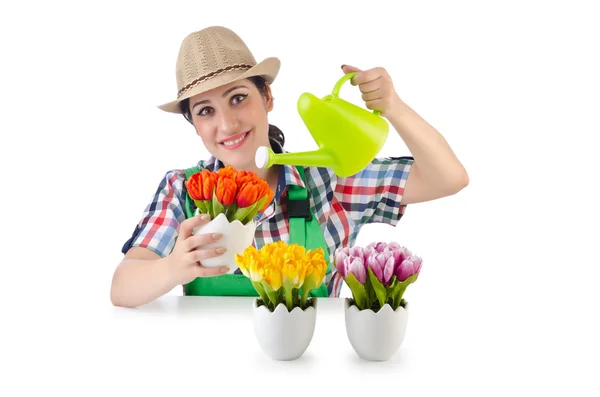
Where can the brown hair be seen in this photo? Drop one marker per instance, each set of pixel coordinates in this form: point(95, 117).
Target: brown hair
point(260, 83)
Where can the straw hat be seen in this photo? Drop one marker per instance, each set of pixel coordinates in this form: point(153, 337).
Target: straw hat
point(213, 57)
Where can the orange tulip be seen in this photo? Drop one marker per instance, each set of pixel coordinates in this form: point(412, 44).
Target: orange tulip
point(208, 184)
point(265, 190)
point(226, 190)
point(244, 177)
point(227, 172)
point(201, 185)
point(194, 186)
point(247, 195)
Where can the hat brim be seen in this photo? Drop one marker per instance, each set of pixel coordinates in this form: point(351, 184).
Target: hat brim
point(268, 68)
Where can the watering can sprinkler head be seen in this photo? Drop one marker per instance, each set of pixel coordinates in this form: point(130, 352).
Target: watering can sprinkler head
point(264, 157)
point(348, 137)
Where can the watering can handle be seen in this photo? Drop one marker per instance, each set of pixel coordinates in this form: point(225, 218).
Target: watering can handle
point(336, 89)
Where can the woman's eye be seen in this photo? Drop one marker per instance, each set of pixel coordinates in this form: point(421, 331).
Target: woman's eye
point(238, 98)
point(205, 111)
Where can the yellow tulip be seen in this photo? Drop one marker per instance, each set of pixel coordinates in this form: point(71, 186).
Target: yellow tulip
point(255, 269)
point(316, 266)
point(267, 250)
point(289, 266)
point(293, 273)
point(272, 275)
point(243, 261)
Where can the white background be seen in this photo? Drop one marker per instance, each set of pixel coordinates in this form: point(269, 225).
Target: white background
point(507, 300)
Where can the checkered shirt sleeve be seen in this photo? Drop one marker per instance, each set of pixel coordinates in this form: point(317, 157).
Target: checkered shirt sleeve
point(374, 194)
point(157, 230)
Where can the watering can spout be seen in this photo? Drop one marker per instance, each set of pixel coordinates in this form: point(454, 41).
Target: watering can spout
point(266, 158)
point(348, 136)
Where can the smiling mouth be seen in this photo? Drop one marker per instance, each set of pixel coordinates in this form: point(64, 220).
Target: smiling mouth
point(236, 141)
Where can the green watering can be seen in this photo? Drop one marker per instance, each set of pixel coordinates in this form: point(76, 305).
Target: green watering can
point(349, 137)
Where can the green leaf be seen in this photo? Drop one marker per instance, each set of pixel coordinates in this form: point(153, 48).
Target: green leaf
point(242, 213)
point(201, 205)
point(217, 207)
point(358, 291)
point(275, 297)
point(407, 282)
point(371, 297)
point(390, 288)
point(399, 289)
point(255, 207)
point(209, 208)
point(307, 286)
point(378, 287)
point(261, 292)
point(261, 203)
point(288, 291)
point(230, 211)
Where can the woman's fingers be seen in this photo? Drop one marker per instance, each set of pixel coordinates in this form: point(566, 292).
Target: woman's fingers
point(186, 227)
point(194, 242)
point(202, 271)
point(198, 255)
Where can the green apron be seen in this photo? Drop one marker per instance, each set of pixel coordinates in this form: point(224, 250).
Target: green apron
point(304, 230)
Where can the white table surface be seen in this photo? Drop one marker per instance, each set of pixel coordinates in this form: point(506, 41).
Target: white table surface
point(192, 345)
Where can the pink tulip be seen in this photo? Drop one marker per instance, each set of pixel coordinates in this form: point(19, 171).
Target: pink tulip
point(393, 247)
point(408, 267)
point(356, 266)
point(382, 265)
point(369, 251)
point(417, 263)
point(357, 252)
point(388, 269)
point(399, 256)
point(377, 267)
point(340, 256)
point(345, 250)
point(379, 246)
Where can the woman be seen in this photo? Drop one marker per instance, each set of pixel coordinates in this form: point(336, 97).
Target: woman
point(226, 95)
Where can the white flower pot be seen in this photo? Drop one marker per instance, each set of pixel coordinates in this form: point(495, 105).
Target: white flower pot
point(281, 334)
point(375, 336)
point(236, 238)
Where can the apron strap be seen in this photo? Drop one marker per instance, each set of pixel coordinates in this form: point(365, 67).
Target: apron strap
point(298, 214)
point(304, 227)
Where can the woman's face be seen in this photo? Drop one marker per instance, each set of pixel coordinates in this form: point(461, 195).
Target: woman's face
point(232, 122)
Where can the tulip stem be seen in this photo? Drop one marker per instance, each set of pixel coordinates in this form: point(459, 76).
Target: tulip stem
point(289, 299)
point(261, 292)
point(271, 294)
point(398, 296)
point(305, 292)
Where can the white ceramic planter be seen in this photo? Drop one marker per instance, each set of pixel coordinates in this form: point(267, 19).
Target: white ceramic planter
point(281, 334)
point(236, 238)
point(375, 336)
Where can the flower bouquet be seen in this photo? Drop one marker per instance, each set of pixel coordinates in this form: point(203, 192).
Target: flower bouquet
point(232, 198)
point(284, 315)
point(377, 314)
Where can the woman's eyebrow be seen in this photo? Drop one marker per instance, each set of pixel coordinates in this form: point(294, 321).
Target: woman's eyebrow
point(224, 95)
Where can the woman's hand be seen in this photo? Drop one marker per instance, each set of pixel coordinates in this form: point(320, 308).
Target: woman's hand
point(377, 88)
point(185, 261)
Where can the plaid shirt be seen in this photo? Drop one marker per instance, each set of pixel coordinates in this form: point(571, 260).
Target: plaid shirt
point(341, 205)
